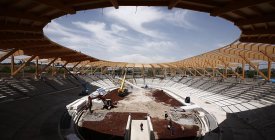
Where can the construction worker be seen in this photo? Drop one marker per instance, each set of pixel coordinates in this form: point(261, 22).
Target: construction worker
point(90, 104)
point(141, 126)
point(165, 115)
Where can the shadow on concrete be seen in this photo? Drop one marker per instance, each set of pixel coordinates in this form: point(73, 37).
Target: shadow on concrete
point(256, 124)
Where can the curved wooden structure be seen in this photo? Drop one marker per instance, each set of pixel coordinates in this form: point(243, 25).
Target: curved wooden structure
point(22, 22)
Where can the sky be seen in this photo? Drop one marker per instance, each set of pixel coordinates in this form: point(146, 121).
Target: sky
point(141, 34)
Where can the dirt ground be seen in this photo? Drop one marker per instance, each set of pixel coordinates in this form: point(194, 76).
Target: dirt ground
point(114, 123)
point(161, 96)
point(139, 103)
point(114, 95)
point(179, 132)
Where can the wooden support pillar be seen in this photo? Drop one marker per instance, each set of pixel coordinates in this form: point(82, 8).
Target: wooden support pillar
point(6, 55)
point(243, 70)
point(206, 72)
point(113, 70)
point(184, 72)
point(254, 67)
point(42, 70)
point(95, 70)
point(114, 3)
point(236, 73)
point(165, 72)
point(53, 69)
point(213, 71)
point(190, 72)
point(269, 70)
point(65, 71)
point(154, 72)
point(23, 65)
point(12, 64)
point(173, 3)
point(225, 69)
point(122, 70)
point(104, 69)
point(36, 68)
point(133, 71)
point(76, 65)
point(196, 71)
point(220, 73)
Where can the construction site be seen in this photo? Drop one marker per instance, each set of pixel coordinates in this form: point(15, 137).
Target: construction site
point(51, 91)
point(137, 106)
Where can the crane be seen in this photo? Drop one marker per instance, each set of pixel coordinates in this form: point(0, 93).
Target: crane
point(122, 91)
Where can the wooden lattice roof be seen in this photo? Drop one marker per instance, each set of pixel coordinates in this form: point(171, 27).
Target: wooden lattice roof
point(22, 22)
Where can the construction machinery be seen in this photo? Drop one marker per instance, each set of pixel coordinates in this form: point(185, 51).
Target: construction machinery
point(122, 91)
point(107, 103)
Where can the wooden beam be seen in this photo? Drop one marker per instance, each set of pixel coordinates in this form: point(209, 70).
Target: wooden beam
point(269, 70)
point(57, 5)
point(83, 66)
point(243, 70)
point(202, 2)
point(269, 30)
point(198, 72)
point(258, 39)
point(14, 13)
point(95, 69)
point(214, 69)
point(226, 64)
point(114, 3)
point(12, 64)
point(256, 20)
point(6, 55)
point(20, 37)
point(220, 73)
point(49, 64)
point(21, 45)
point(23, 65)
point(270, 58)
point(173, 3)
point(207, 72)
point(20, 28)
point(36, 68)
point(236, 5)
point(190, 71)
point(76, 64)
point(254, 67)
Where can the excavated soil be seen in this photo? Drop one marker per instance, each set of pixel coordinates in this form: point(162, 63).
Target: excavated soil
point(188, 132)
point(114, 96)
point(161, 96)
point(114, 123)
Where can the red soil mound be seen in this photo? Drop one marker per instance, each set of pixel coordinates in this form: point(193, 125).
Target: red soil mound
point(113, 95)
point(160, 127)
point(161, 96)
point(114, 123)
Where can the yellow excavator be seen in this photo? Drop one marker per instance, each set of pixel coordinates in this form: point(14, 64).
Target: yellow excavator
point(122, 91)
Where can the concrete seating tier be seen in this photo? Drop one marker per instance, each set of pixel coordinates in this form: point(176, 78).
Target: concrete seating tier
point(13, 89)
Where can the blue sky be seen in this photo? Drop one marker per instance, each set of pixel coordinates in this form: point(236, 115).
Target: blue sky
point(142, 34)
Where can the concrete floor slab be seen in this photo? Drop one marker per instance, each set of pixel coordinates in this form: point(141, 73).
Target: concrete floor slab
point(137, 133)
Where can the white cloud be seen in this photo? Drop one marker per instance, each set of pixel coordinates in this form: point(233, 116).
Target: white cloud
point(123, 35)
point(179, 18)
point(137, 20)
point(139, 58)
point(110, 42)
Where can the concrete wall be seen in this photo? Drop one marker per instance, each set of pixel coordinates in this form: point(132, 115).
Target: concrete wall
point(128, 129)
point(151, 131)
